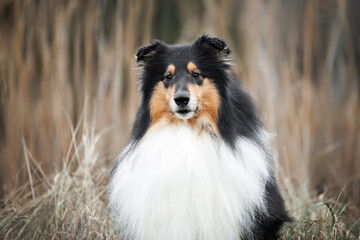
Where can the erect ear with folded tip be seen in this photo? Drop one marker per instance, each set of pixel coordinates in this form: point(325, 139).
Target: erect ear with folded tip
point(145, 52)
point(217, 44)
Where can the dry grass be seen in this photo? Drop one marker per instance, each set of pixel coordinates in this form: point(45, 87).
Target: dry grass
point(69, 204)
point(63, 63)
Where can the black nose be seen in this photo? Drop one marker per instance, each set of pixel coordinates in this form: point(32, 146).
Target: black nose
point(182, 98)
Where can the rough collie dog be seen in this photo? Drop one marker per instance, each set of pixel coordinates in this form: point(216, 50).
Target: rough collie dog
point(198, 165)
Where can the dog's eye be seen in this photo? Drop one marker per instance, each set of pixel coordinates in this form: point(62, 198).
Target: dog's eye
point(195, 74)
point(169, 76)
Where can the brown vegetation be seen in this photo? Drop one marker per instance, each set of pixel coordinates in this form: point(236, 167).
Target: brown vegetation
point(71, 63)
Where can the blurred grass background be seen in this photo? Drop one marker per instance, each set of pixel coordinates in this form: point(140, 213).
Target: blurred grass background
point(71, 63)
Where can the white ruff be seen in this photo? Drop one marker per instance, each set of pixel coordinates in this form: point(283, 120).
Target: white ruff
point(177, 184)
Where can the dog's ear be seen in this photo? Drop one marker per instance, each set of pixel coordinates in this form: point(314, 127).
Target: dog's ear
point(145, 52)
point(219, 45)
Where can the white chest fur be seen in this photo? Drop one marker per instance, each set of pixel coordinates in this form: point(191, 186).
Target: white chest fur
point(177, 184)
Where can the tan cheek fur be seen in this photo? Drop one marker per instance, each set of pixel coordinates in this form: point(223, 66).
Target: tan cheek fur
point(160, 104)
point(208, 104)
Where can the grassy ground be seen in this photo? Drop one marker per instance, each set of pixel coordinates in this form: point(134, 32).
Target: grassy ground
point(71, 204)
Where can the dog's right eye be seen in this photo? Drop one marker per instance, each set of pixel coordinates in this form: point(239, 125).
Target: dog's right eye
point(169, 76)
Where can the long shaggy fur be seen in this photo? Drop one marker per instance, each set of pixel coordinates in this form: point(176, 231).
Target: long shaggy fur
point(200, 171)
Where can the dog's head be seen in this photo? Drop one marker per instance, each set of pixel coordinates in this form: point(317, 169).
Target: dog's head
point(184, 82)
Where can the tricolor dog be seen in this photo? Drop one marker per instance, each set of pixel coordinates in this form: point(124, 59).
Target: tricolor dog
point(198, 165)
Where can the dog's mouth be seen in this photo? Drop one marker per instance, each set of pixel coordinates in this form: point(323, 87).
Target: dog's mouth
point(185, 113)
point(186, 110)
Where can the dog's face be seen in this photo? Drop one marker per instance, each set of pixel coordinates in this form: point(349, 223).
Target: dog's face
point(179, 82)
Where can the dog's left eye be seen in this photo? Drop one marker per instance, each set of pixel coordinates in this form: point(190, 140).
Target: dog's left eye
point(195, 74)
point(169, 76)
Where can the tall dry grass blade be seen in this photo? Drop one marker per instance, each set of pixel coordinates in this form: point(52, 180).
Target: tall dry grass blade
point(28, 169)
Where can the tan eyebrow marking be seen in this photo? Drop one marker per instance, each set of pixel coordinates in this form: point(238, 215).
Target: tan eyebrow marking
point(192, 67)
point(170, 69)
